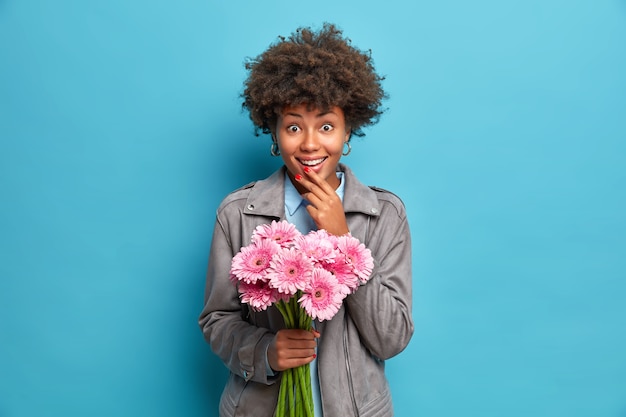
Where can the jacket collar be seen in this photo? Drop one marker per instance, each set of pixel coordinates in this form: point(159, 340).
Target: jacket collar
point(266, 198)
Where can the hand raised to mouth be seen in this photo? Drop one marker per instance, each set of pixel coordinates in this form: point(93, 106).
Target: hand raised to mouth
point(326, 208)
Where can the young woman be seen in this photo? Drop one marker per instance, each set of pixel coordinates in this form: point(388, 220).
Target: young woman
point(312, 91)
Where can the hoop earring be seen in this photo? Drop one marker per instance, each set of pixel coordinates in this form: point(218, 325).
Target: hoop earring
point(347, 152)
point(274, 151)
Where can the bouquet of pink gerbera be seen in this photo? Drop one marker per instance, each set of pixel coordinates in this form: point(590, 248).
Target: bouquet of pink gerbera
point(306, 277)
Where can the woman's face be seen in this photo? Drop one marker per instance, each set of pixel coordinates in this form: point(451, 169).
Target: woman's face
point(311, 138)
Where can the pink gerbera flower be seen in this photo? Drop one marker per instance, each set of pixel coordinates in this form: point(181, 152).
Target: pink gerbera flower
point(289, 271)
point(282, 233)
point(357, 255)
point(322, 234)
point(252, 261)
point(317, 245)
point(347, 280)
point(259, 296)
point(322, 298)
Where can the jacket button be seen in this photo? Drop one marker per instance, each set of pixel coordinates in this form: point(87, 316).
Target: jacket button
point(250, 206)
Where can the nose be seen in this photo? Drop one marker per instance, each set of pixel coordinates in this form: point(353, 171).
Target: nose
point(310, 141)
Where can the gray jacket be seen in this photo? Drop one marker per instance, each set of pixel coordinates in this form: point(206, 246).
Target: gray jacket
point(374, 323)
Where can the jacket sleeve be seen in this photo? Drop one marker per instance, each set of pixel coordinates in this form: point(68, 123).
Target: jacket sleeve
point(241, 345)
point(381, 309)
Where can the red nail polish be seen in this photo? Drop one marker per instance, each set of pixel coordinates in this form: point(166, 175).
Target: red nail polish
point(307, 169)
point(314, 356)
point(298, 177)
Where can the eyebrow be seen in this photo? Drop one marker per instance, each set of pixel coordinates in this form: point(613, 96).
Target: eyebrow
point(317, 116)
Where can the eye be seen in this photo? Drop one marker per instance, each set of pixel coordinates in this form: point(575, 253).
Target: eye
point(293, 129)
point(327, 127)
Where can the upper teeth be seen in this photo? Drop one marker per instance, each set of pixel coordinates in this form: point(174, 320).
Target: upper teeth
point(312, 162)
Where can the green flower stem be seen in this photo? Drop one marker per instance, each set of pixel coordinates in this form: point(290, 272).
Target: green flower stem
point(291, 393)
point(295, 397)
point(304, 386)
point(288, 315)
point(280, 407)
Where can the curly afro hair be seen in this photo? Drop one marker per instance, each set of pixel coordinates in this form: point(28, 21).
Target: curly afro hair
point(320, 69)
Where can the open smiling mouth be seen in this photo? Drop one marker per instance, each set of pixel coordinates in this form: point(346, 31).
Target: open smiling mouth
point(311, 162)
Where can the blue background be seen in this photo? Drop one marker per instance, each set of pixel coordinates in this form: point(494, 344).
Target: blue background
point(121, 131)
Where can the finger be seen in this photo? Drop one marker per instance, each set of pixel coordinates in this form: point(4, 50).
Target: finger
point(294, 362)
point(316, 201)
point(296, 334)
point(297, 345)
point(330, 204)
point(319, 181)
point(289, 339)
point(305, 183)
point(288, 354)
point(316, 186)
point(335, 224)
point(317, 195)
